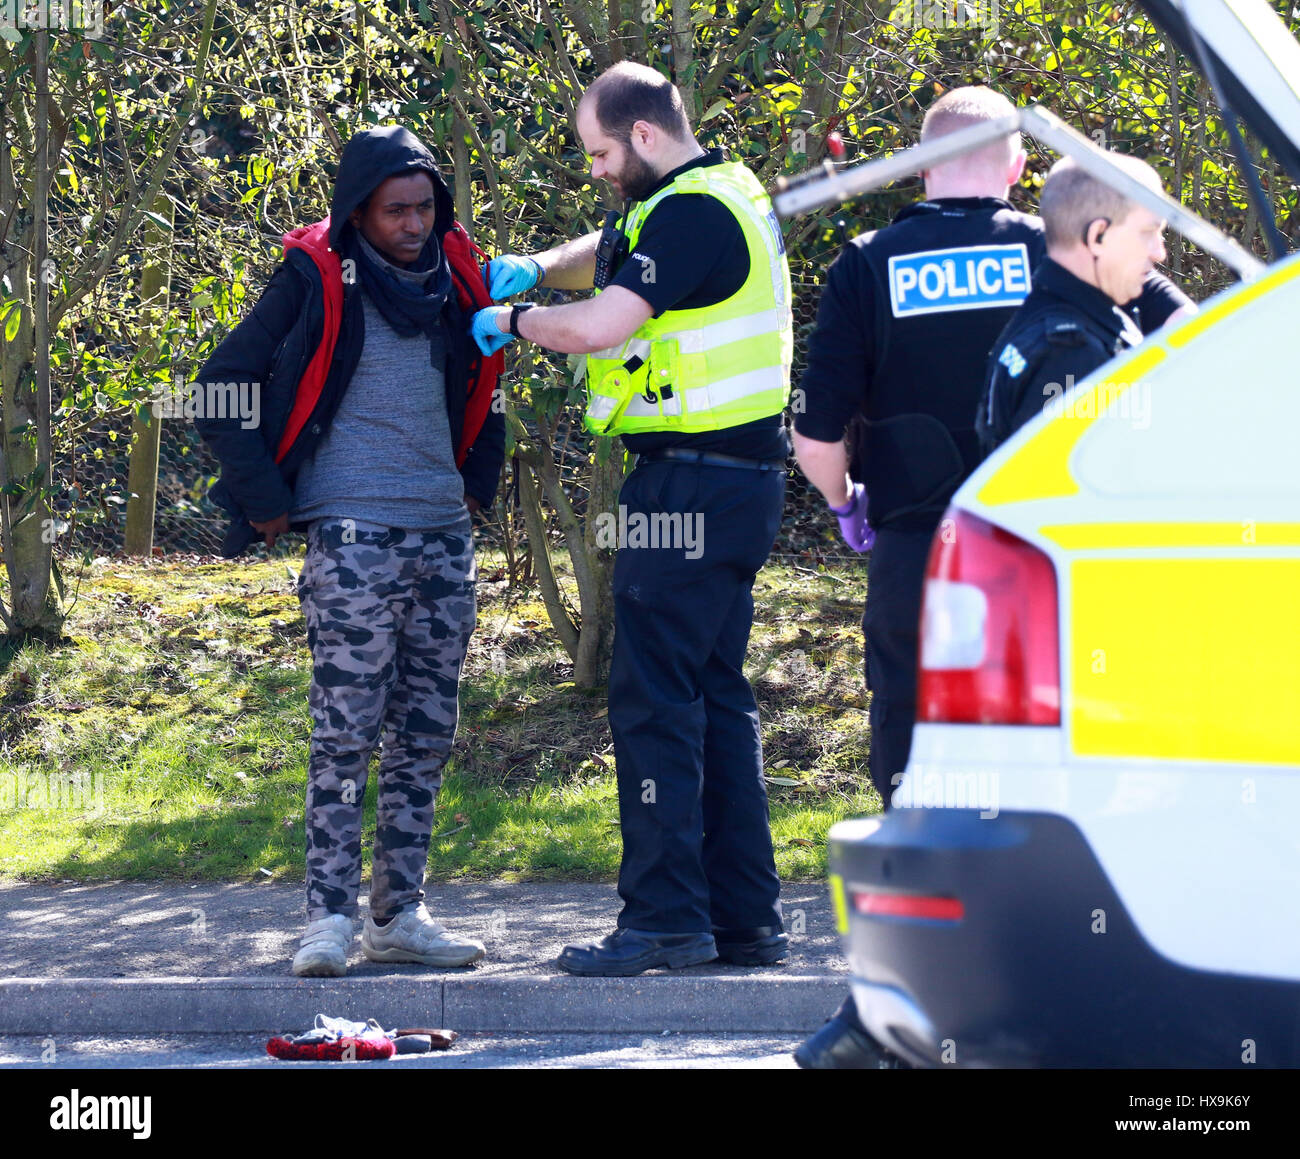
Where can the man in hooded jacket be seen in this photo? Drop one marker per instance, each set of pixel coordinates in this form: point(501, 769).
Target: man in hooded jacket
point(371, 439)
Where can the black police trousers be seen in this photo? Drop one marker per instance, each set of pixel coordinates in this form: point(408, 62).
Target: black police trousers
point(697, 848)
point(891, 632)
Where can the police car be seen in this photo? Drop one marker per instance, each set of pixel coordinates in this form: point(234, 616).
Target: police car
point(1093, 857)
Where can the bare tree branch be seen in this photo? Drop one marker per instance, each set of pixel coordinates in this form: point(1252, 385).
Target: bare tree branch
point(92, 271)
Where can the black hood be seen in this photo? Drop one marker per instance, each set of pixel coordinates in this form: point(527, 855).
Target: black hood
point(369, 159)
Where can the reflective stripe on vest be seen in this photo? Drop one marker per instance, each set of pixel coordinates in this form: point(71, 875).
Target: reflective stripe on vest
point(712, 367)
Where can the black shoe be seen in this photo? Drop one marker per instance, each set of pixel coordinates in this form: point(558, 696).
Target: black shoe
point(840, 1045)
point(754, 946)
point(627, 952)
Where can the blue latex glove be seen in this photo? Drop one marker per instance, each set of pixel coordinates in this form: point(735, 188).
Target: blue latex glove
point(853, 520)
point(487, 333)
point(511, 274)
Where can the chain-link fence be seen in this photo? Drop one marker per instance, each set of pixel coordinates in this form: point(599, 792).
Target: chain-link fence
point(95, 467)
point(808, 534)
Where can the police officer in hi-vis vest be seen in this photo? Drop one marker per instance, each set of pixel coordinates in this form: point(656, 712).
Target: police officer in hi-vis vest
point(689, 344)
point(904, 329)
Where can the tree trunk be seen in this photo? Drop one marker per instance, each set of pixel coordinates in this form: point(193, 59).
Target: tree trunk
point(684, 55)
point(597, 642)
point(807, 137)
point(589, 640)
point(535, 523)
point(155, 291)
point(28, 529)
point(592, 23)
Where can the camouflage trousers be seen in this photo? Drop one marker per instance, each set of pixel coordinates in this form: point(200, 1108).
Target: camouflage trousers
point(389, 616)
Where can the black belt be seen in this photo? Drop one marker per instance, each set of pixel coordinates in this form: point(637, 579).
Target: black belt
point(710, 459)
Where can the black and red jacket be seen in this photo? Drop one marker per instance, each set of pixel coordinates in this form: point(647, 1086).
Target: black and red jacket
point(302, 342)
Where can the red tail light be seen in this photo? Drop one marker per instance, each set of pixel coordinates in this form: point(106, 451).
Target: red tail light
point(990, 637)
point(908, 905)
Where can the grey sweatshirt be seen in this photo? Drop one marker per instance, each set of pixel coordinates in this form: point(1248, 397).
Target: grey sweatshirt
point(387, 457)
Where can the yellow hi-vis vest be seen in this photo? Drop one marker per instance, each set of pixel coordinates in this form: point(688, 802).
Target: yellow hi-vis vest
point(713, 367)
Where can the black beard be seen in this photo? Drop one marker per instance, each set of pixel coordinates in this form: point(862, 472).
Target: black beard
point(637, 178)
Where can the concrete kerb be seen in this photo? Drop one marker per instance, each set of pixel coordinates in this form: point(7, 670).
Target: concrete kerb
point(647, 1004)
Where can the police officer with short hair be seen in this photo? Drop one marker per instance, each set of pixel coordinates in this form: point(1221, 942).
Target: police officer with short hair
point(904, 327)
point(905, 324)
point(689, 346)
point(1101, 250)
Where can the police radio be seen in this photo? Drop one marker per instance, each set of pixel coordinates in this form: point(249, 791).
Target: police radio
point(611, 250)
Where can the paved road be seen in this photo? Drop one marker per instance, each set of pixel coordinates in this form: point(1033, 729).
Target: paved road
point(472, 1051)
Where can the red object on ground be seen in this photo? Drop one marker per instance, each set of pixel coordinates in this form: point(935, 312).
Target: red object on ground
point(340, 1050)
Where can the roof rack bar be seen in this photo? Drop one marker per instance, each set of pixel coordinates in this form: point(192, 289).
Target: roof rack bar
point(1056, 134)
point(801, 195)
point(807, 192)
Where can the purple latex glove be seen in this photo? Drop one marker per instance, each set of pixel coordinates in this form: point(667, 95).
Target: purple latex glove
point(853, 520)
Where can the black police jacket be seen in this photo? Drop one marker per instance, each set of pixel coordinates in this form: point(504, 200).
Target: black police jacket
point(1063, 332)
point(904, 328)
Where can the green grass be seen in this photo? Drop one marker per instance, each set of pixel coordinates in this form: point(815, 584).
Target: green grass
point(166, 737)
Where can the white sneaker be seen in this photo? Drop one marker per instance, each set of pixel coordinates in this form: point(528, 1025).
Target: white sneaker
point(323, 952)
point(414, 936)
